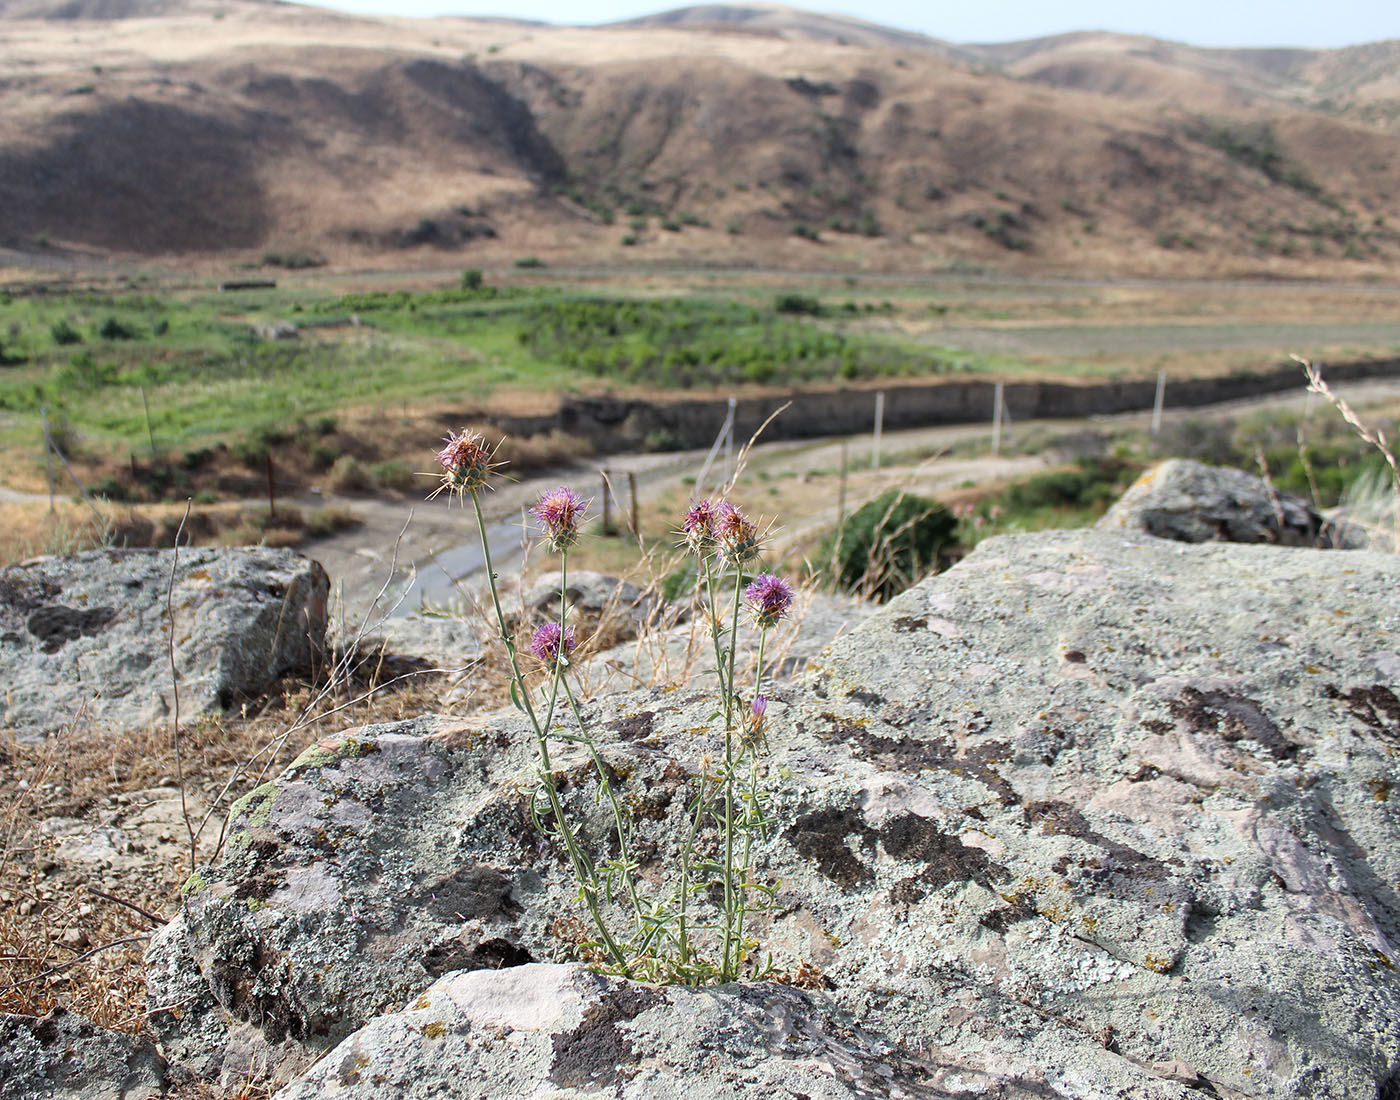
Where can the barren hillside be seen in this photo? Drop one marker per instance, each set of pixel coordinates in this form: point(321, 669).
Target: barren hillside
point(737, 134)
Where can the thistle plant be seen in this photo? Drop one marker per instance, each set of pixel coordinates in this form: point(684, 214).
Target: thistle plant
point(675, 934)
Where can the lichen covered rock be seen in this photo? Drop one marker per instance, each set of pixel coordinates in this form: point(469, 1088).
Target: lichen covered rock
point(1188, 501)
point(551, 1030)
point(62, 1056)
point(85, 637)
point(1090, 815)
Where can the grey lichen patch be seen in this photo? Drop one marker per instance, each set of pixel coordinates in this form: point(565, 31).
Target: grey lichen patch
point(330, 750)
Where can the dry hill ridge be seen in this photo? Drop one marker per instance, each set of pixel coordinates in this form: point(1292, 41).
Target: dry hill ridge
point(721, 133)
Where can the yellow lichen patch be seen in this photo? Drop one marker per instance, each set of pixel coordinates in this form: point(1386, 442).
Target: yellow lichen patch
point(435, 1029)
point(1380, 789)
point(257, 803)
point(193, 885)
point(1159, 964)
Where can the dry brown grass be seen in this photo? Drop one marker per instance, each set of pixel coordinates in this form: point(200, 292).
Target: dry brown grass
point(28, 529)
point(75, 785)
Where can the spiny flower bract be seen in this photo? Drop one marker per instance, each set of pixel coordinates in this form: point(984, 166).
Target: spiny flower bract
point(560, 511)
point(737, 535)
point(467, 463)
point(699, 527)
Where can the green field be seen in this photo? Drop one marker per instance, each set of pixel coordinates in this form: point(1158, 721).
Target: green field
point(99, 361)
point(143, 373)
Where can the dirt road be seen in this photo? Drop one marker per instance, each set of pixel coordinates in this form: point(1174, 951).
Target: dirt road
point(410, 553)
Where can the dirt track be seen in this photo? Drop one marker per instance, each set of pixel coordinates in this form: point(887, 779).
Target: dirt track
point(424, 551)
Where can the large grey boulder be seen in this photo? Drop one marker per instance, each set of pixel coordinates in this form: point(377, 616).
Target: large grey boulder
point(562, 1031)
point(1089, 815)
point(85, 637)
point(62, 1056)
point(1188, 501)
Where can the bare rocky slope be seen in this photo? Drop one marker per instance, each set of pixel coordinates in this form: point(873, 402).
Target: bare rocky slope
point(764, 135)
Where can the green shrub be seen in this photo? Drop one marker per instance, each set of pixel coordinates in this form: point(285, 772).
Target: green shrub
point(292, 260)
point(662, 439)
point(324, 456)
point(1093, 483)
point(64, 334)
point(889, 543)
point(472, 279)
point(327, 521)
point(799, 304)
point(529, 262)
point(348, 475)
point(109, 488)
point(113, 329)
point(394, 474)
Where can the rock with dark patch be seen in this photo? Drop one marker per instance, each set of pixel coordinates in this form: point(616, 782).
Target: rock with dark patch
point(1161, 867)
point(1200, 746)
point(561, 1031)
point(1188, 501)
point(85, 638)
point(62, 1056)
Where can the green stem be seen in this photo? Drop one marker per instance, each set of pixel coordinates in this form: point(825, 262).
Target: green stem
point(751, 811)
point(624, 846)
point(701, 801)
point(584, 873)
point(715, 630)
point(727, 964)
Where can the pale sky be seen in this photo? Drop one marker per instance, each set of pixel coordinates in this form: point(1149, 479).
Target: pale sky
point(1316, 23)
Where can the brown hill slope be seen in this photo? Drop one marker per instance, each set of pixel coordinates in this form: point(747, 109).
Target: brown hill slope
point(251, 126)
point(1359, 82)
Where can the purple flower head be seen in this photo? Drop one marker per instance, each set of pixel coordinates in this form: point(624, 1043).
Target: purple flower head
point(736, 534)
point(560, 511)
point(753, 721)
point(699, 527)
point(769, 598)
point(467, 463)
point(551, 642)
